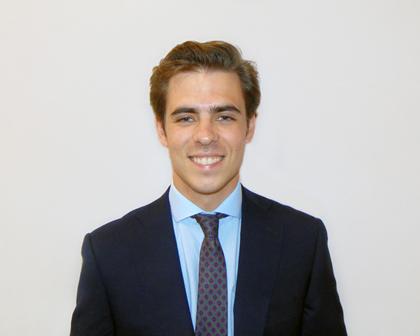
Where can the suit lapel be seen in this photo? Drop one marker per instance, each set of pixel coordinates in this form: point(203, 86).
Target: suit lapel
point(258, 259)
point(159, 270)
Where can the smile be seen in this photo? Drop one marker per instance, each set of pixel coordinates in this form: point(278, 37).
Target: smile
point(206, 160)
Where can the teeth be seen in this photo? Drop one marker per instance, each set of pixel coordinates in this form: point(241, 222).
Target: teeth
point(206, 160)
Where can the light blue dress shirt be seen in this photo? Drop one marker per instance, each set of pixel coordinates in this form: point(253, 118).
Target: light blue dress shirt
point(189, 237)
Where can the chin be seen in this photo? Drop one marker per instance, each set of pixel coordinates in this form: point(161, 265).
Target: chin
point(205, 189)
point(211, 187)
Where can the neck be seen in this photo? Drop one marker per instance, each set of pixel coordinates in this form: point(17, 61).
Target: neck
point(206, 200)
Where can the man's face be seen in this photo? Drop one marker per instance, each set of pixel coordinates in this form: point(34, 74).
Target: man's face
point(205, 131)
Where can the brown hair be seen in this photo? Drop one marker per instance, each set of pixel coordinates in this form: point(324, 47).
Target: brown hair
point(213, 55)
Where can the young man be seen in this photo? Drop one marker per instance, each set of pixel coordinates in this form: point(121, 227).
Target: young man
point(209, 257)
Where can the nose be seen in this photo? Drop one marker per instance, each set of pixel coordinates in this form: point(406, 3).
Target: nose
point(205, 132)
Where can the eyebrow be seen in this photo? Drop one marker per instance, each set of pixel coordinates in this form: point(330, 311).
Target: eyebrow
point(213, 109)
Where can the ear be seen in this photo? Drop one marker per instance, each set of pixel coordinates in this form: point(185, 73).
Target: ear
point(251, 129)
point(160, 129)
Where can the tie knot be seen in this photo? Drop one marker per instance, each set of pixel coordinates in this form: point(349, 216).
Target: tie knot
point(209, 223)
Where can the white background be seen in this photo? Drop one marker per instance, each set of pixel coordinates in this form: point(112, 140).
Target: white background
point(337, 136)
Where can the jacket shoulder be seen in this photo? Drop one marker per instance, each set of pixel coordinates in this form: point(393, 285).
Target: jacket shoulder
point(133, 220)
point(283, 214)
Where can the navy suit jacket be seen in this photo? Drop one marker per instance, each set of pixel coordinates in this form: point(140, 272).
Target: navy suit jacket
point(131, 281)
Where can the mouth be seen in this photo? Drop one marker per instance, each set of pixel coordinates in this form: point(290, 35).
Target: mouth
point(206, 160)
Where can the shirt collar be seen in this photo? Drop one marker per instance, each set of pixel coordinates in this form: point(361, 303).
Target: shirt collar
point(182, 208)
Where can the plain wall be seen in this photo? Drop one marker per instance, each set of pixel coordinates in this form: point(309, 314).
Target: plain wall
point(338, 136)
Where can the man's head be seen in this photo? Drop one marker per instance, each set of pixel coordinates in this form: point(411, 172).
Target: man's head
point(208, 56)
point(205, 98)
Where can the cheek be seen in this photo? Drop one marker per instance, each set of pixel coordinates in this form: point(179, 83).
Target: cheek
point(177, 144)
point(235, 141)
point(174, 137)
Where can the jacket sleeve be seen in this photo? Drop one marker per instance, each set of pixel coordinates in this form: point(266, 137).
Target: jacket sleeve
point(92, 315)
point(323, 314)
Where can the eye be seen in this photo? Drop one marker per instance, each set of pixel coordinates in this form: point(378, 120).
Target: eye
point(184, 120)
point(225, 118)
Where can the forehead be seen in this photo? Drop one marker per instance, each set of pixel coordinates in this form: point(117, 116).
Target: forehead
point(204, 87)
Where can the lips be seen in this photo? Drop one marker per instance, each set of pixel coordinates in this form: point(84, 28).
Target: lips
point(206, 160)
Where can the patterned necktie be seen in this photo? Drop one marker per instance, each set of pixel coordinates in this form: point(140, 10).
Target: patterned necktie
point(211, 317)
